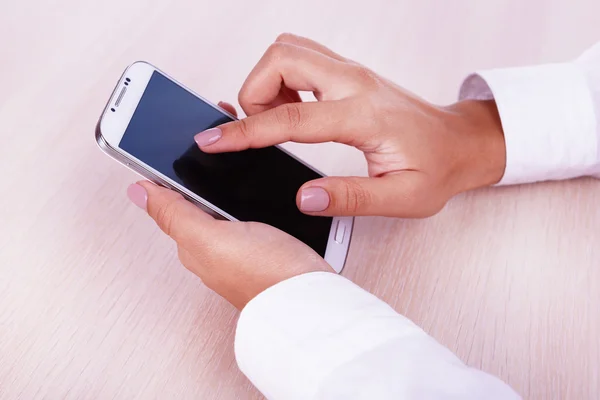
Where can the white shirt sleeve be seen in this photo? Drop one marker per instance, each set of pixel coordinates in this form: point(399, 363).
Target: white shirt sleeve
point(550, 116)
point(319, 336)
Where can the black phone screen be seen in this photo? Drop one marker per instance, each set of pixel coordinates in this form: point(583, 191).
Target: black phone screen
point(251, 185)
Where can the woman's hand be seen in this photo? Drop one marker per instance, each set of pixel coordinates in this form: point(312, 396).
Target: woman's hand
point(238, 260)
point(419, 155)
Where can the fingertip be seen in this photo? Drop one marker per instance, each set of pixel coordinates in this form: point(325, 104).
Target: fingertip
point(227, 137)
point(148, 186)
point(228, 107)
point(208, 137)
point(138, 195)
point(313, 199)
point(150, 190)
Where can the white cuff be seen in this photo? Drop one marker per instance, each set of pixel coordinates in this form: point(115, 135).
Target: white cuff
point(548, 119)
point(292, 336)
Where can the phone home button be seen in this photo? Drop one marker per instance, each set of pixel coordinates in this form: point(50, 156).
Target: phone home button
point(340, 230)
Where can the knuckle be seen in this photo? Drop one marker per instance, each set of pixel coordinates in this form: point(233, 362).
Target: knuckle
point(367, 77)
point(244, 128)
point(276, 51)
point(244, 96)
point(289, 115)
point(285, 37)
point(166, 215)
point(356, 198)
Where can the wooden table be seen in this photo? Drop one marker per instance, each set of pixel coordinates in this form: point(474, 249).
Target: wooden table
point(93, 301)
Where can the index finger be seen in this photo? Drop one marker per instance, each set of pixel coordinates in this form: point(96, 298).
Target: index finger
point(313, 122)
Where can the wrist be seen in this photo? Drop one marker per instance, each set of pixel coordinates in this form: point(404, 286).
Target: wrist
point(482, 150)
point(251, 286)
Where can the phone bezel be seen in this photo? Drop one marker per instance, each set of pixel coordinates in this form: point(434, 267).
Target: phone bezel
point(111, 128)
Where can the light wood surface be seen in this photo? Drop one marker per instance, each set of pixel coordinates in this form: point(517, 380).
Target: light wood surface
point(93, 302)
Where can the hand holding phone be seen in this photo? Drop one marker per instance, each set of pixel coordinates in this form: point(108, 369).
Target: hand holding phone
point(237, 260)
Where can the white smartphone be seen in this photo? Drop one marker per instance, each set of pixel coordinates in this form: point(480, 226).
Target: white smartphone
point(149, 125)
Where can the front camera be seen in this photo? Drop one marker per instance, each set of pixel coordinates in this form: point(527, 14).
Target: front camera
point(112, 109)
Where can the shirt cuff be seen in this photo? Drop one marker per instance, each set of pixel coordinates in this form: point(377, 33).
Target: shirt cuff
point(292, 336)
point(548, 118)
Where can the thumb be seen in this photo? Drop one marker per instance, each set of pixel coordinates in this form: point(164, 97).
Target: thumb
point(174, 215)
point(395, 195)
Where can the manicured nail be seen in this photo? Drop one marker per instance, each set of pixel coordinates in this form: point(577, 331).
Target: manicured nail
point(138, 195)
point(207, 137)
point(314, 199)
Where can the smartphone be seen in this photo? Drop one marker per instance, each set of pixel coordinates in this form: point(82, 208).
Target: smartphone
point(149, 125)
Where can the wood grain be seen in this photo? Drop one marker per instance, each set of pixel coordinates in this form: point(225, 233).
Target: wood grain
point(93, 302)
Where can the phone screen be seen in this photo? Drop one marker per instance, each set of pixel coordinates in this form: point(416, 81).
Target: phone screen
point(251, 185)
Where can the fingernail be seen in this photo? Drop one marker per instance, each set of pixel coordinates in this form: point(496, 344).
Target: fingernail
point(138, 195)
point(314, 199)
point(207, 137)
